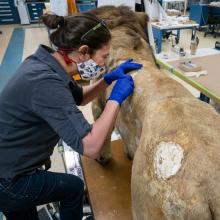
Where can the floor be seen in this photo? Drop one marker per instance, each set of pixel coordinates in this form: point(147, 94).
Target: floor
point(17, 42)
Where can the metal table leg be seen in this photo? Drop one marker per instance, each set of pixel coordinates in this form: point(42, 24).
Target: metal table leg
point(158, 36)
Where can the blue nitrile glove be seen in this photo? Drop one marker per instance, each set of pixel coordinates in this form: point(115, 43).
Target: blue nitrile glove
point(120, 71)
point(122, 89)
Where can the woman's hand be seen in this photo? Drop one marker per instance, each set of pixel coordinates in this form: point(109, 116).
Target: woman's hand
point(122, 89)
point(120, 71)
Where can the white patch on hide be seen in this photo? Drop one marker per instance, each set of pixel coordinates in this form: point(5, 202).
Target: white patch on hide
point(129, 108)
point(126, 106)
point(122, 128)
point(173, 207)
point(137, 141)
point(138, 124)
point(134, 75)
point(168, 159)
point(139, 90)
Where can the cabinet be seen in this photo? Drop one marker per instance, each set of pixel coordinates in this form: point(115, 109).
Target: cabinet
point(85, 5)
point(8, 12)
point(35, 10)
point(199, 13)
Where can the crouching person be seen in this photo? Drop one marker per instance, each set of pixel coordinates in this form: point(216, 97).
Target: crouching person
point(39, 106)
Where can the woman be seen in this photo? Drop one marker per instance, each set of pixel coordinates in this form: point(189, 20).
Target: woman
point(39, 106)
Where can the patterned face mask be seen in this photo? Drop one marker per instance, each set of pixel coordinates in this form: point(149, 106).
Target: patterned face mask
point(89, 70)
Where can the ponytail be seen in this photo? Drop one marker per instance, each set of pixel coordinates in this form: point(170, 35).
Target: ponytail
point(53, 21)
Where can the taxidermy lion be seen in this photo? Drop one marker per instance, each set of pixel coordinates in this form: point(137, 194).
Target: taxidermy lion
point(173, 138)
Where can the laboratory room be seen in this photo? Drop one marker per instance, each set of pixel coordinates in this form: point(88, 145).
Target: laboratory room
point(109, 110)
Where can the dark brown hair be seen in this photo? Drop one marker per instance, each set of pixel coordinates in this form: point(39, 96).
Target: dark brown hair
point(69, 31)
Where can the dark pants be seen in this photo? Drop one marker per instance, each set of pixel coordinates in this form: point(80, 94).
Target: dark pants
point(18, 199)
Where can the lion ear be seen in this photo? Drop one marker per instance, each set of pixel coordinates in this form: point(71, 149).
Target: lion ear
point(143, 18)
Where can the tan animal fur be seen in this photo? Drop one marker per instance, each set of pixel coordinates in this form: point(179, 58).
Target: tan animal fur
point(173, 137)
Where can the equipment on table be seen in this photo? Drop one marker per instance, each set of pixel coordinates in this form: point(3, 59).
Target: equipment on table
point(208, 59)
point(194, 45)
point(171, 25)
point(189, 67)
point(178, 50)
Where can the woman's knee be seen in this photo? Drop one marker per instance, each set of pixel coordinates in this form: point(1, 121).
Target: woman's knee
point(79, 184)
point(72, 183)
